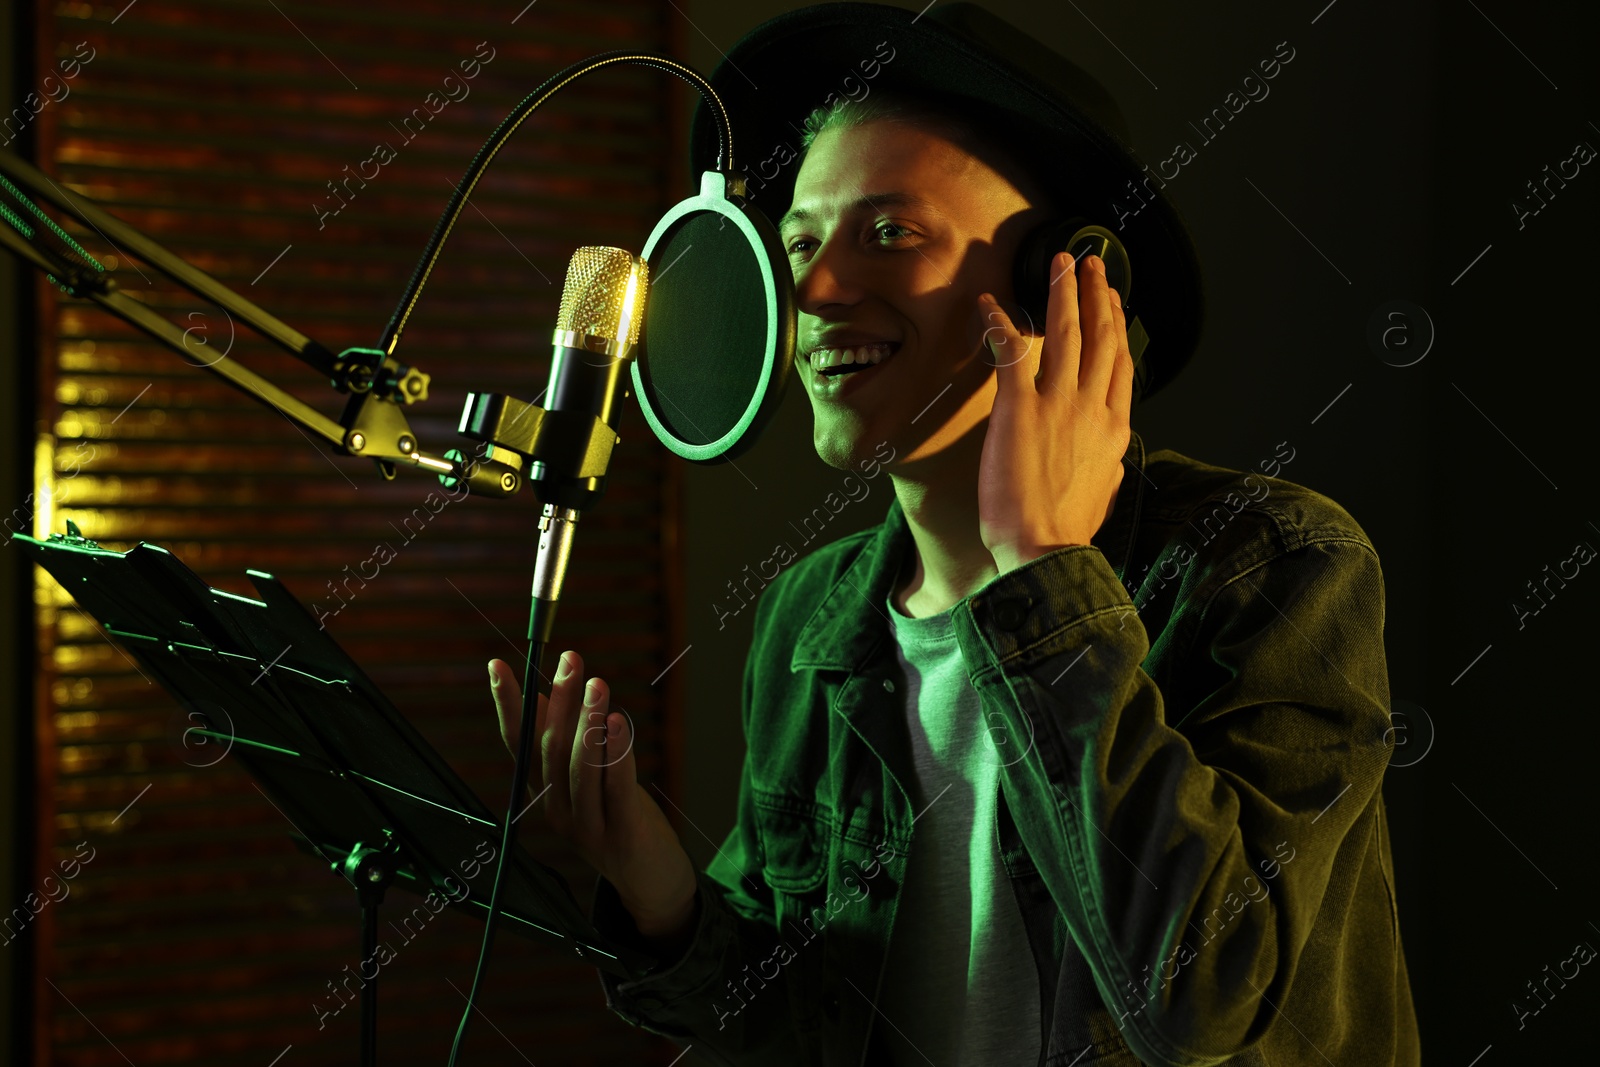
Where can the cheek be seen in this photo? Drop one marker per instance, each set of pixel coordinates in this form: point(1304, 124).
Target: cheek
point(952, 332)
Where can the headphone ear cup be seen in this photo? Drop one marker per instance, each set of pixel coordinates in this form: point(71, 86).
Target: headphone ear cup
point(1030, 274)
point(1031, 277)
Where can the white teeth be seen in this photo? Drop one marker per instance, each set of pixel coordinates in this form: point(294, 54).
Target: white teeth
point(823, 358)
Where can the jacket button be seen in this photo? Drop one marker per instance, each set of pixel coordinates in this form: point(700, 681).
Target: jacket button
point(1011, 614)
point(888, 685)
point(831, 1006)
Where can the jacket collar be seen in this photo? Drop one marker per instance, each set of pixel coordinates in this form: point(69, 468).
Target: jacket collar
point(850, 620)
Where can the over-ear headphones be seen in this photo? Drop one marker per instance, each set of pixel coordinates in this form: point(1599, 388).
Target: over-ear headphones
point(1031, 276)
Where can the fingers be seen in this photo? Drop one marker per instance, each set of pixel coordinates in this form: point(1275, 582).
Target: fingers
point(508, 707)
point(1121, 390)
point(507, 701)
point(1100, 344)
point(555, 741)
point(586, 763)
point(1014, 356)
point(584, 749)
point(621, 775)
point(1064, 337)
point(563, 676)
point(997, 331)
point(1088, 339)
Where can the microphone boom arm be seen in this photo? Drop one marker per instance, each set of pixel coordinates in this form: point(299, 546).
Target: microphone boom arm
point(371, 424)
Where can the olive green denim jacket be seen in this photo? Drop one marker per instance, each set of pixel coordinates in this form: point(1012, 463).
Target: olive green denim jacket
point(1193, 714)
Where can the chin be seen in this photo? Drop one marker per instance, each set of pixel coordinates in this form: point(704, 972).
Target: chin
point(847, 443)
point(840, 451)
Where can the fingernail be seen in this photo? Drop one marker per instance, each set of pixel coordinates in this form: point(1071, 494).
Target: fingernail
point(494, 678)
point(591, 694)
point(1098, 264)
point(613, 729)
point(563, 668)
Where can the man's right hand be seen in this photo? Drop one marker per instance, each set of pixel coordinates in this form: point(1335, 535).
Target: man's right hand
point(592, 798)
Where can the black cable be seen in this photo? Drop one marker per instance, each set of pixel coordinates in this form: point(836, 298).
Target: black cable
point(503, 132)
point(519, 786)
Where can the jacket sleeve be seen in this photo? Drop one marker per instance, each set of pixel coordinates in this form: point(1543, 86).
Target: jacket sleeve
point(1189, 867)
point(726, 995)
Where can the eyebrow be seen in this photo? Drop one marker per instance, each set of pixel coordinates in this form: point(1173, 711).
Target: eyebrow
point(873, 201)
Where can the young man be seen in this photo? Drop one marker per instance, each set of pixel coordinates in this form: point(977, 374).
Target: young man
point(1077, 758)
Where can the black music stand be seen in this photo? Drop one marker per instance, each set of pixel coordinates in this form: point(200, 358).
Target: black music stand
point(367, 792)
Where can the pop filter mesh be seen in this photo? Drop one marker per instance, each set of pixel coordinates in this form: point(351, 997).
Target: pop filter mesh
point(705, 329)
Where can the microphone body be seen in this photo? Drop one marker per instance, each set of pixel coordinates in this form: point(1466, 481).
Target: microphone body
point(585, 384)
point(568, 442)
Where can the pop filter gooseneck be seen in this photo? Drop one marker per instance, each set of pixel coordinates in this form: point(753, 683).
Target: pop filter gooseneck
point(508, 126)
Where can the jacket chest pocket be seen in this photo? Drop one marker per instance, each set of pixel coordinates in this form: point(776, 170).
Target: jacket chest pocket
point(795, 840)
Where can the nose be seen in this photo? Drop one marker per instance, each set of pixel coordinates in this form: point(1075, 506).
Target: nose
point(829, 279)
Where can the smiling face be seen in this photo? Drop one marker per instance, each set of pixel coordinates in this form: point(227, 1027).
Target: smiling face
point(893, 234)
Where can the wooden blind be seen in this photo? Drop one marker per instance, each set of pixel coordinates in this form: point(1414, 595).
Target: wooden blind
point(301, 153)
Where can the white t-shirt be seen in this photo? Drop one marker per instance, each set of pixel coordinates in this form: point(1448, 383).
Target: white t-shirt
point(960, 988)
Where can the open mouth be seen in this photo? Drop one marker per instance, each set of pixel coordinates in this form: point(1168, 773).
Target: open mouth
point(841, 362)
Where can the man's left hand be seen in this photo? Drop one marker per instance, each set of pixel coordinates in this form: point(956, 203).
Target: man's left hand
point(1052, 454)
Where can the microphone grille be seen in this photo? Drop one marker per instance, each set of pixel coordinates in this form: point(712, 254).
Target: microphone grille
point(604, 294)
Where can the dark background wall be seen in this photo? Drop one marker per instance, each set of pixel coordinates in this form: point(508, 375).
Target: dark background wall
point(1383, 166)
point(199, 933)
point(1383, 161)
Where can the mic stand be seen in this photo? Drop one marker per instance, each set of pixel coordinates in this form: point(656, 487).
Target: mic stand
point(371, 424)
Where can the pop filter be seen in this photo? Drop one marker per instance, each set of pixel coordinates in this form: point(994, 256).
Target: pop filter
point(718, 338)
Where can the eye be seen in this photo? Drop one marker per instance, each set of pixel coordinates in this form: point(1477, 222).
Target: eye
point(897, 233)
